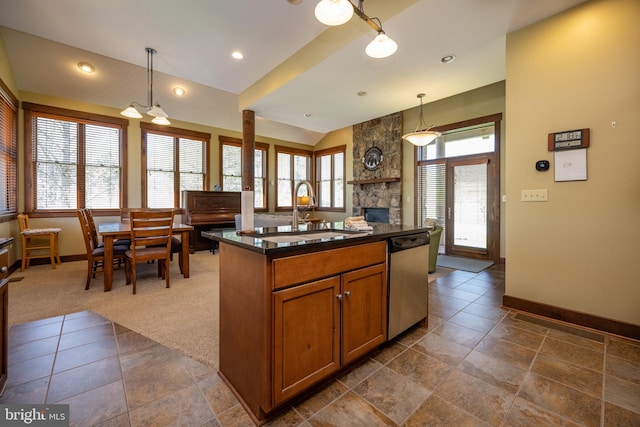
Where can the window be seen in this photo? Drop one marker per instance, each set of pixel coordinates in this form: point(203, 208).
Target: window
point(73, 160)
point(231, 169)
point(292, 166)
point(173, 160)
point(8, 150)
point(330, 174)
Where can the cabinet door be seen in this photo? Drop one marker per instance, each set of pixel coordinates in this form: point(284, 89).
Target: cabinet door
point(306, 341)
point(364, 311)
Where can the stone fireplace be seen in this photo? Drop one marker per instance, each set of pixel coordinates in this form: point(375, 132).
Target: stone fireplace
point(377, 179)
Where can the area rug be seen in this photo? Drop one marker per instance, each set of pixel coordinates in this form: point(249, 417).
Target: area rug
point(183, 317)
point(465, 264)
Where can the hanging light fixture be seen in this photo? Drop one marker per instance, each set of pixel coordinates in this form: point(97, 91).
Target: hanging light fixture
point(334, 12)
point(153, 108)
point(337, 12)
point(422, 135)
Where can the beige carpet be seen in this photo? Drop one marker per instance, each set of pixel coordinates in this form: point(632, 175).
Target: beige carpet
point(183, 317)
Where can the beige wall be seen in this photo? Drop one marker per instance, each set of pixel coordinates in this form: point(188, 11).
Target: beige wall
point(579, 250)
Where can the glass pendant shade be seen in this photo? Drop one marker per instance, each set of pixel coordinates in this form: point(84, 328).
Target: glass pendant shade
point(131, 112)
point(421, 138)
point(381, 47)
point(334, 12)
point(159, 120)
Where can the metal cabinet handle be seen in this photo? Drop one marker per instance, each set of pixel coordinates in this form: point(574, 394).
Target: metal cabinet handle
point(4, 269)
point(347, 293)
point(339, 296)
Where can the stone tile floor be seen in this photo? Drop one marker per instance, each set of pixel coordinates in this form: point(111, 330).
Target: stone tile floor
point(475, 364)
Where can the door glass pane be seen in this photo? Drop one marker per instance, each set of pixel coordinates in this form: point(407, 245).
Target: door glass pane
point(470, 205)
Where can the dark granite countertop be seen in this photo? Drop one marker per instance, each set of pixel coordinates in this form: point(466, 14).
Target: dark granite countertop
point(257, 243)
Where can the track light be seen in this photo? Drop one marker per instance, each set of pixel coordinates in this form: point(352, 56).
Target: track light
point(338, 12)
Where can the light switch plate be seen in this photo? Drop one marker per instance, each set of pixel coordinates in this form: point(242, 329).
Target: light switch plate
point(535, 195)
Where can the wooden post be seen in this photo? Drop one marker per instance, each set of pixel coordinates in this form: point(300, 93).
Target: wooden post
point(248, 147)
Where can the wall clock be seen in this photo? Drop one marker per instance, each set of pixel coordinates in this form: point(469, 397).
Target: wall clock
point(372, 158)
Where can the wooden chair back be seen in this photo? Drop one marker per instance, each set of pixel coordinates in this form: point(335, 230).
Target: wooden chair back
point(84, 227)
point(23, 222)
point(151, 232)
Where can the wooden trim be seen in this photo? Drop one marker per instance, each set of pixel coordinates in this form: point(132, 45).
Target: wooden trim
point(291, 150)
point(175, 132)
point(331, 150)
point(373, 181)
point(577, 318)
point(78, 115)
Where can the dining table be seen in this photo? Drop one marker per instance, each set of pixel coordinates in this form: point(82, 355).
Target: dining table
point(110, 231)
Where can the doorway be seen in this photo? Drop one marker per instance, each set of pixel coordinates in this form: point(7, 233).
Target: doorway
point(458, 185)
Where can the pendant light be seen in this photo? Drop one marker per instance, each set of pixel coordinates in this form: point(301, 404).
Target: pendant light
point(153, 108)
point(338, 12)
point(422, 135)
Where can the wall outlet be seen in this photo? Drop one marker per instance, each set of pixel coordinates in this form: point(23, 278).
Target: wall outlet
point(535, 195)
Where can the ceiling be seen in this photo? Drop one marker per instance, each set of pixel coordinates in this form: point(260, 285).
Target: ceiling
point(300, 77)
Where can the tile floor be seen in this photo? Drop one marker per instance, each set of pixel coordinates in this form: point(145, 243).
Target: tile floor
point(475, 365)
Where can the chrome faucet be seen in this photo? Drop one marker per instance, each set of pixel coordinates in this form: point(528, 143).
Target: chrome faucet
point(294, 223)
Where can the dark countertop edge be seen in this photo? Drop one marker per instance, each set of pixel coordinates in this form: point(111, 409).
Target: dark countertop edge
point(247, 241)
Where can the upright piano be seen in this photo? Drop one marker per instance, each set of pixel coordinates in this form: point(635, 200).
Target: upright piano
point(205, 210)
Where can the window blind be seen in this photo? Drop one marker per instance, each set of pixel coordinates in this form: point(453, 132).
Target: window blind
point(8, 151)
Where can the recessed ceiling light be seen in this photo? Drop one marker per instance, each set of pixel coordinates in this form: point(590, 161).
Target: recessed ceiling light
point(179, 91)
point(447, 59)
point(86, 67)
point(237, 54)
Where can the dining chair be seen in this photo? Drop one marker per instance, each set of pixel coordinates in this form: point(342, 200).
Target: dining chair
point(38, 243)
point(176, 244)
point(95, 253)
point(151, 233)
point(94, 232)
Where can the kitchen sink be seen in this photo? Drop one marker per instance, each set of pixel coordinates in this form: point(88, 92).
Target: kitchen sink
point(306, 236)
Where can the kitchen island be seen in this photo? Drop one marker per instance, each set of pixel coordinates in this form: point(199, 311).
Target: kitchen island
point(299, 307)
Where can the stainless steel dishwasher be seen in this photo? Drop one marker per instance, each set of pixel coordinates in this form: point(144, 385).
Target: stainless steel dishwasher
point(408, 281)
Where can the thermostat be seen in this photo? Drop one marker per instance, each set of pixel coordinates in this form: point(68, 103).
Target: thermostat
point(542, 165)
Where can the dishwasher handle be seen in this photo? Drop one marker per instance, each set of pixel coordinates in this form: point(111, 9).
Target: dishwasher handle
point(402, 243)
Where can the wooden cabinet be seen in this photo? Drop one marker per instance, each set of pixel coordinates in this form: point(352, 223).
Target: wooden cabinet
point(4, 302)
point(326, 324)
point(364, 311)
point(306, 336)
point(287, 323)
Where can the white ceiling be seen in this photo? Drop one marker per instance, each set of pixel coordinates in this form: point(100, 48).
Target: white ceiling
point(293, 66)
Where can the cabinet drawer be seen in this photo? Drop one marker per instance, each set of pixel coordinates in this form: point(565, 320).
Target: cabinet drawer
point(316, 265)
